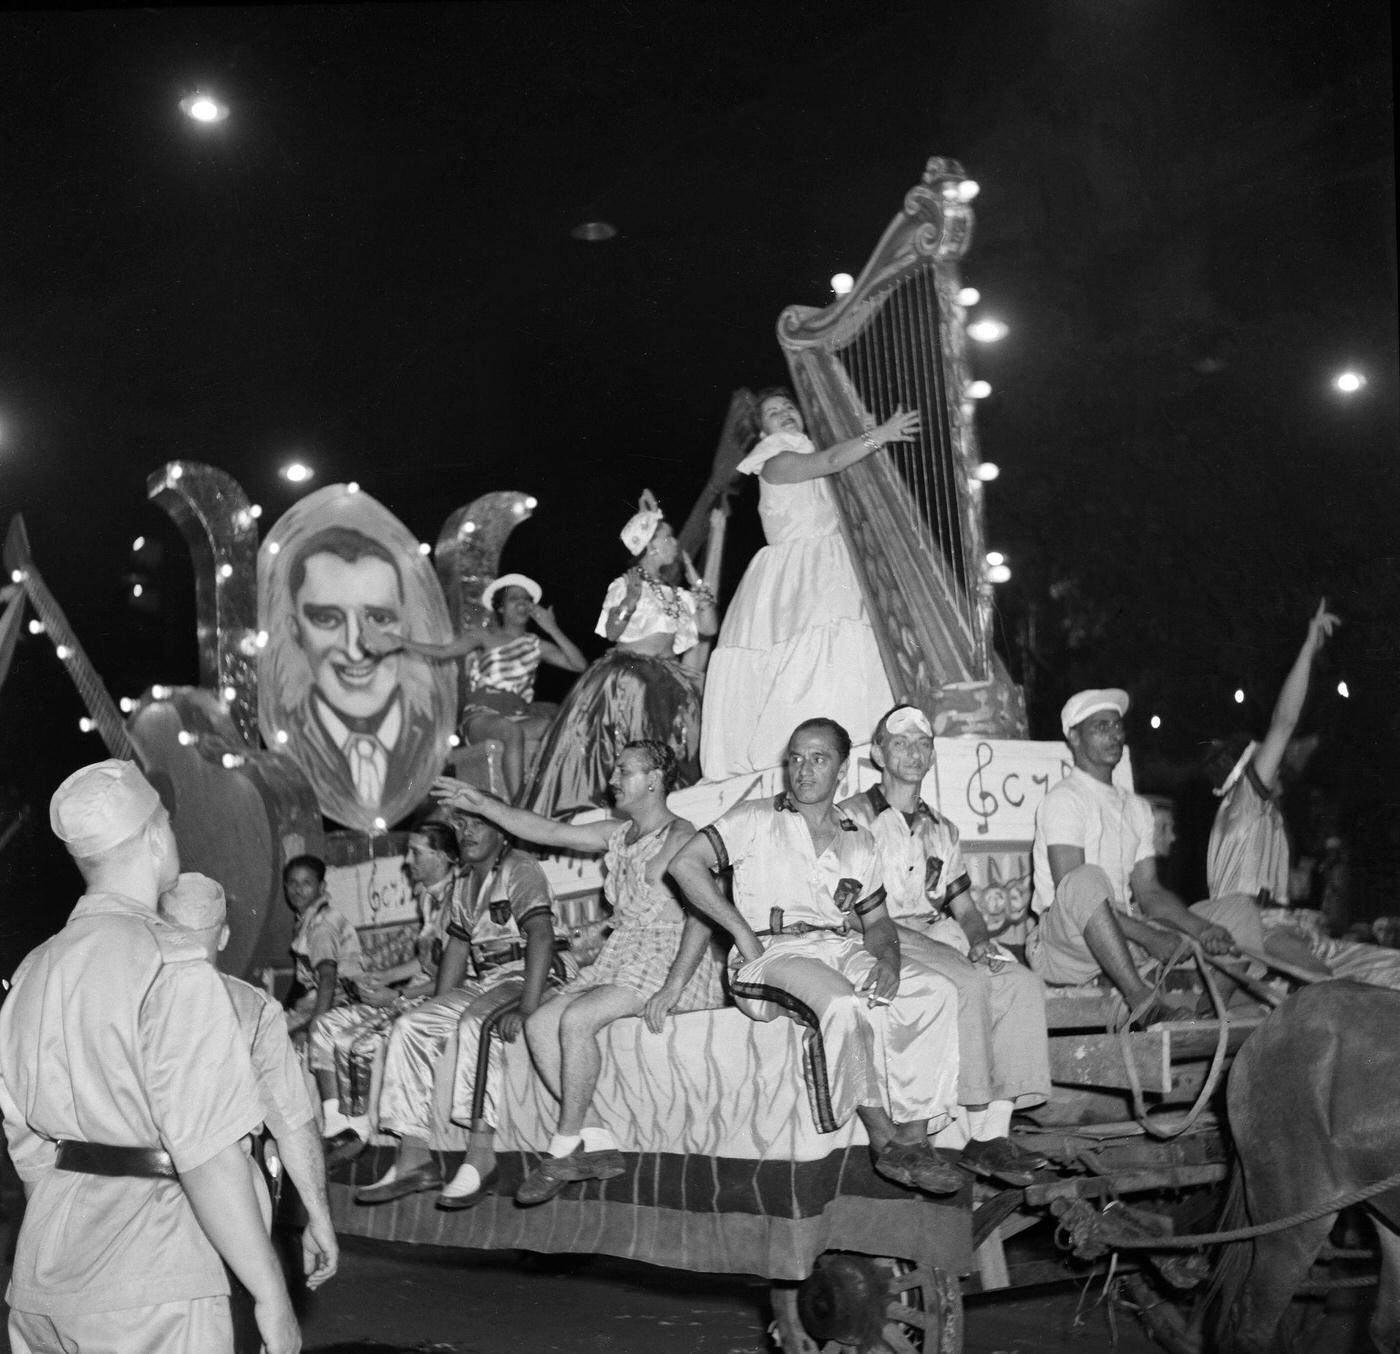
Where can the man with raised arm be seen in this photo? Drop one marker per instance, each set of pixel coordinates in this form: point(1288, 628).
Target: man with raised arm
point(1096, 885)
point(197, 904)
point(808, 881)
point(1003, 1050)
point(127, 1093)
point(1248, 851)
point(657, 960)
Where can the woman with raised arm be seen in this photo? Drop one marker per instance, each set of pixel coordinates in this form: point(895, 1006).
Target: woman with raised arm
point(797, 641)
point(659, 959)
point(640, 689)
point(502, 661)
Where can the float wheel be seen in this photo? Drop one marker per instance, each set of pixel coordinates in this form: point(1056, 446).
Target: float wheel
point(859, 1304)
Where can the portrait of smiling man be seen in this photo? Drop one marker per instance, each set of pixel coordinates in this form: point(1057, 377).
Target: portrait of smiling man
point(369, 729)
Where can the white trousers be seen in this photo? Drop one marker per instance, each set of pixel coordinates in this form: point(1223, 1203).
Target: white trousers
point(902, 1057)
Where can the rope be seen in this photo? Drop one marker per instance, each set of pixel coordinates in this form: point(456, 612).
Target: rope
point(1356, 1196)
point(1189, 945)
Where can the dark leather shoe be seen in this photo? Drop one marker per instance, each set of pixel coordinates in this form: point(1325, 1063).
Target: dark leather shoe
point(1000, 1159)
point(917, 1166)
point(345, 1146)
point(553, 1173)
point(452, 1203)
point(417, 1181)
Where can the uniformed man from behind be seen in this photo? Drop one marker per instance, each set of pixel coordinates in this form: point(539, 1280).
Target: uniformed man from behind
point(127, 1092)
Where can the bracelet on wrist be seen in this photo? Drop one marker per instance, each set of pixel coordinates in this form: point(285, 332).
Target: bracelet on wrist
point(872, 443)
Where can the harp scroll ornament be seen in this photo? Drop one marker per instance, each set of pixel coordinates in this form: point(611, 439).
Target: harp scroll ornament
point(910, 514)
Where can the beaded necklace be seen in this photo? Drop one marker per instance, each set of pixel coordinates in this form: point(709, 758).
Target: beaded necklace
point(668, 598)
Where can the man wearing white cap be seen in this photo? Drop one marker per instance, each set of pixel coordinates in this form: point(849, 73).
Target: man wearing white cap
point(1003, 1051)
point(197, 904)
point(1096, 885)
point(127, 1091)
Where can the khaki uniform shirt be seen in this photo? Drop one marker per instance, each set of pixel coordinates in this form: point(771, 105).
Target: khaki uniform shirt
point(282, 1090)
point(118, 1031)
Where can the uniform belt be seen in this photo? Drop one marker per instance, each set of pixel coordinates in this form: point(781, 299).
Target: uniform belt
point(99, 1158)
point(801, 928)
point(499, 958)
point(515, 949)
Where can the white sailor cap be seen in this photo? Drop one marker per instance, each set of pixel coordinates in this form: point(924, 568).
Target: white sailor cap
point(1082, 704)
point(512, 581)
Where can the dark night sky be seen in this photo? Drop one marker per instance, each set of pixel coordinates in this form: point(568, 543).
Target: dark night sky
point(1187, 217)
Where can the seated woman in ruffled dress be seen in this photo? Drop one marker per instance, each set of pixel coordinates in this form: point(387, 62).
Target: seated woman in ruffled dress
point(639, 688)
point(797, 640)
point(502, 662)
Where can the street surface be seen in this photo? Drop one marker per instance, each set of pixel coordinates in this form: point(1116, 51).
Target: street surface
point(397, 1299)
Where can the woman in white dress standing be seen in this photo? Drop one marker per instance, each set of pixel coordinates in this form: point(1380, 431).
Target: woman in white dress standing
point(796, 641)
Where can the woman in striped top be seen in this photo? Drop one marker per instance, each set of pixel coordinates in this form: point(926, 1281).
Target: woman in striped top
point(501, 663)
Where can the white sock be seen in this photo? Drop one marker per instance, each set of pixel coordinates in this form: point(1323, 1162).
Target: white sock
point(976, 1124)
point(334, 1121)
point(997, 1123)
point(466, 1181)
point(562, 1144)
point(598, 1140)
point(358, 1124)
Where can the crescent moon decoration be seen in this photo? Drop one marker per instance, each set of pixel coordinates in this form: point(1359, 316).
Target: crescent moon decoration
point(221, 529)
point(468, 551)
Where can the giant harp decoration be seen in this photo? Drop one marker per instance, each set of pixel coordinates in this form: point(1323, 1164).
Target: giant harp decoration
point(912, 515)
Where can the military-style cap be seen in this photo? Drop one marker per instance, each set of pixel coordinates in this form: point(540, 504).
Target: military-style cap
point(195, 902)
point(101, 806)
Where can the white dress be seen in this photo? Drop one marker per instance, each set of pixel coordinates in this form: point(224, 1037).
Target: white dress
point(796, 641)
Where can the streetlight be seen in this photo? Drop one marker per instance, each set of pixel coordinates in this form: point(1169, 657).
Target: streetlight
point(203, 108)
point(295, 472)
point(841, 283)
point(1348, 382)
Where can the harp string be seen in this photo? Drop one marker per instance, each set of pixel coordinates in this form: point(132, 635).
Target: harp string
point(896, 359)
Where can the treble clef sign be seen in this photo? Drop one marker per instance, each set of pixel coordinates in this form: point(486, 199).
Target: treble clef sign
point(981, 801)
